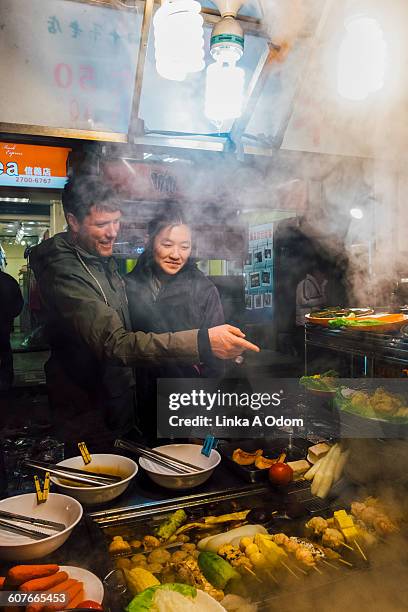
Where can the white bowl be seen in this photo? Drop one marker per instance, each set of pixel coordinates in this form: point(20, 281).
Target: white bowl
point(99, 495)
point(58, 508)
point(191, 453)
point(93, 587)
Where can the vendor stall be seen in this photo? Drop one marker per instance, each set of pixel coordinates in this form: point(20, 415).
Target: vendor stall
point(275, 135)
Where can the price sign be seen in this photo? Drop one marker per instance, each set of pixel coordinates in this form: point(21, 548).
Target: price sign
point(68, 64)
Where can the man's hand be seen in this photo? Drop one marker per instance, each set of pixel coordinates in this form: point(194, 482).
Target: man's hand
point(228, 342)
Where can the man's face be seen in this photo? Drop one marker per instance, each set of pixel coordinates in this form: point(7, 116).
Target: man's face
point(172, 248)
point(97, 232)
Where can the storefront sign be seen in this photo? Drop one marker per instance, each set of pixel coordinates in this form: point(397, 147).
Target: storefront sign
point(72, 63)
point(33, 166)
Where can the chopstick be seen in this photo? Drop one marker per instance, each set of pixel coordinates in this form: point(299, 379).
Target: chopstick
point(32, 520)
point(31, 533)
point(70, 474)
point(177, 465)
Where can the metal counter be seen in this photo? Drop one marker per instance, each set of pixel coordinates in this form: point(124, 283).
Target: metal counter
point(390, 348)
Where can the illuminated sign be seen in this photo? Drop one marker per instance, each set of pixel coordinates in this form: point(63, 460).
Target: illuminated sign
point(33, 166)
point(73, 63)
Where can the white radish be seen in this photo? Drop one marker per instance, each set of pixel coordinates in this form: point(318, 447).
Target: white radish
point(315, 467)
point(328, 475)
point(321, 470)
point(338, 470)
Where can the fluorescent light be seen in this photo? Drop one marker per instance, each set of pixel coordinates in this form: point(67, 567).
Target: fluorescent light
point(178, 39)
point(362, 59)
point(14, 199)
point(224, 91)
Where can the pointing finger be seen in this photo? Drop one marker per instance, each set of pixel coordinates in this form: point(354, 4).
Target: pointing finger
point(246, 346)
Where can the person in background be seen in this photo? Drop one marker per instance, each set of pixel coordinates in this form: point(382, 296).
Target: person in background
point(311, 294)
point(11, 304)
point(168, 293)
point(89, 373)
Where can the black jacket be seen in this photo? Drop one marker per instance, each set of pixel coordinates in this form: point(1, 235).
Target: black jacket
point(11, 302)
point(187, 300)
point(89, 374)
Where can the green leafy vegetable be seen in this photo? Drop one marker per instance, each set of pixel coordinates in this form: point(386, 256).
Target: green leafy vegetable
point(320, 382)
point(339, 323)
point(143, 602)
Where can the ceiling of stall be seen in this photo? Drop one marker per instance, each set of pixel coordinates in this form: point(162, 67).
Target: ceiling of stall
point(291, 102)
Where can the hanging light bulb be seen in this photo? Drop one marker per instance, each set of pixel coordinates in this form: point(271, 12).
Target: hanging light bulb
point(224, 92)
point(362, 59)
point(178, 39)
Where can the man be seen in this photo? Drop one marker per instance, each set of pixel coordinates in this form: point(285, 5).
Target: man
point(89, 374)
point(11, 304)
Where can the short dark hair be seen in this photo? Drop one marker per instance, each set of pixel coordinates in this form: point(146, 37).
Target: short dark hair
point(83, 191)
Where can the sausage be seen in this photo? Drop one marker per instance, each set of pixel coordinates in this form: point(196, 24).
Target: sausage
point(43, 584)
point(22, 573)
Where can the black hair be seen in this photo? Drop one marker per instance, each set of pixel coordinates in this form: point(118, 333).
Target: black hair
point(171, 214)
point(83, 191)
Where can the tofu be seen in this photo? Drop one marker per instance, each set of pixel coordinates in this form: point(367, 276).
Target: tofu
point(299, 468)
point(317, 451)
point(343, 520)
point(350, 534)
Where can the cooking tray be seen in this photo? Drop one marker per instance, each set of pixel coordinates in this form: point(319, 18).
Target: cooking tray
point(296, 449)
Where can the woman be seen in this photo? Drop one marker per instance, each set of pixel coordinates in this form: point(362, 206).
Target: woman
point(168, 293)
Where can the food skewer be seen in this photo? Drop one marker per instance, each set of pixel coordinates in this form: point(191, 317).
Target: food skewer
point(289, 569)
point(330, 564)
point(345, 562)
point(247, 569)
point(360, 550)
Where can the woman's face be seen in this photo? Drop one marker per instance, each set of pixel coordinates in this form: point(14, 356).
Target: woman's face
point(172, 248)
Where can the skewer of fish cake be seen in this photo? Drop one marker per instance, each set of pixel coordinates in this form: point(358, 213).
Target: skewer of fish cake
point(345, 524)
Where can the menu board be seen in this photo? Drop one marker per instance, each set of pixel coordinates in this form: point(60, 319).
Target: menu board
point(258, 273)
point(24, 165)
point(68, 64)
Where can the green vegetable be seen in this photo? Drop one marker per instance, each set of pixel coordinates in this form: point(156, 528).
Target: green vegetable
point(217, 571)
point(321, 382)
point(339, 323)
point(171, 524)
point(143, 602)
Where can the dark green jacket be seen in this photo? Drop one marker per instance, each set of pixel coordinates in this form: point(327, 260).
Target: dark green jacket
point(89, 373)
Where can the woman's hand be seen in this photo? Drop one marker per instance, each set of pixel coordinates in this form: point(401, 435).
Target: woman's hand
point(228, 342)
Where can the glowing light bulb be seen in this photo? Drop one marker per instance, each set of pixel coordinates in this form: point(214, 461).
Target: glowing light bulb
point(362, 59)
point(224, 90)
point(356, 213)
point(178, 39)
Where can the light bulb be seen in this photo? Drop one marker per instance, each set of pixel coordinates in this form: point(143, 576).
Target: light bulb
point(361, 60)
point(178, 39)
point(224, 90)
point(356, 213)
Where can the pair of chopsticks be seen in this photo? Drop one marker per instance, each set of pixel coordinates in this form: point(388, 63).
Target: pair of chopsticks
point(81, 476)
point(176, 465)
point(6, 525)
point(30, 533)
point(33, 520)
